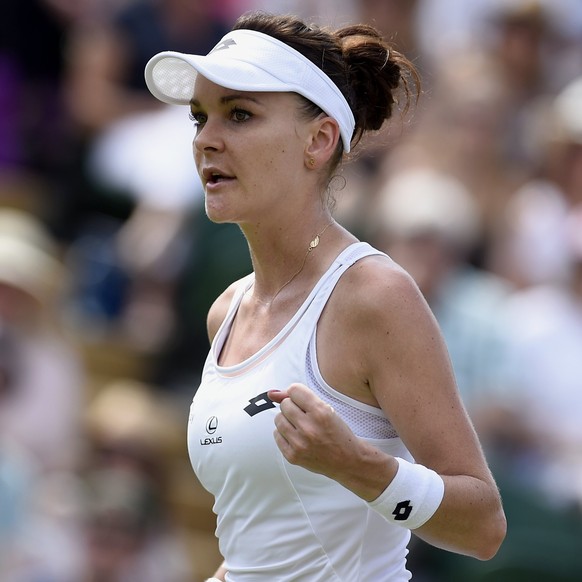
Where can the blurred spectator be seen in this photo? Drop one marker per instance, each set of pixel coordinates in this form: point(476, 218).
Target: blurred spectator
point(31, 111)
point(123, 534)
point(41, 371)
point(535, 42)
point(536, 55)
point(448, 27)
point(17, 474)
point(148, 157)
point(42, 391)
point(332, 12)
point(429, 224)
point(106, 56)
point(129, 425)
point(485, 93)
point(395, 19)
point(532, 247)
point(546, 343)
point(540, 250)
point(462, 132)
point(533, 431)
point(129, 531)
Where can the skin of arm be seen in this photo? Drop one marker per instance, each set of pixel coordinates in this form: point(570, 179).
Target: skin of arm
point(220, 574)
point(378, 342)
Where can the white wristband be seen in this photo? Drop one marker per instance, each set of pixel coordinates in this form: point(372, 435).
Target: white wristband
point(412, 497)
point(212, 580)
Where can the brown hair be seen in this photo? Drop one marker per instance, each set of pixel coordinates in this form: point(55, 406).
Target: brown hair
point(366, 69)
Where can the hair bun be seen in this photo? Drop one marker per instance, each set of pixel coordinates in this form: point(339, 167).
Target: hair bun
point(376, 71)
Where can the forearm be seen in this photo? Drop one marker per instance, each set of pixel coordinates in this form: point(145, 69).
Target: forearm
point(469, 519)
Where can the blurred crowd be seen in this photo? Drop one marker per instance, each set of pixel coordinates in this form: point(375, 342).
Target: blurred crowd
point(108, 266)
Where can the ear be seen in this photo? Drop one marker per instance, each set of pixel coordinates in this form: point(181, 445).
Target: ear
point(322, 141)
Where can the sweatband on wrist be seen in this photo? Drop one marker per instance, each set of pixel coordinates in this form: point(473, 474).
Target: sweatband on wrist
point(213, 580)
point(412, 497)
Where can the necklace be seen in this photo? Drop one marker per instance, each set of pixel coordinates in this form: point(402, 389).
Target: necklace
point(312, 245)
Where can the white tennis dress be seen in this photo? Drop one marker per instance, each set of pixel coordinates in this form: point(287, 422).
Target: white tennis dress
point(277, 522)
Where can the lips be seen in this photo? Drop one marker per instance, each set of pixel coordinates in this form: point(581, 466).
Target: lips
point(214, 176)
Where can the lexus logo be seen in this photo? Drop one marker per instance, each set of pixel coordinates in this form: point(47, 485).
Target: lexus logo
point(211, 425)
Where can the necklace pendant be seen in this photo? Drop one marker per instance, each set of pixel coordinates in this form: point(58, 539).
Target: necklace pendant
point(314, 243)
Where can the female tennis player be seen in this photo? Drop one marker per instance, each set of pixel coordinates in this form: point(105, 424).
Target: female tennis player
point(327, 424)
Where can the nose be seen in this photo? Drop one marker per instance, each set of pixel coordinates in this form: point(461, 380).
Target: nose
point(208, 137)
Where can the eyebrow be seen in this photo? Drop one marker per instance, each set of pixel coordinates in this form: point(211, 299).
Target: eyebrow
point(228, 99)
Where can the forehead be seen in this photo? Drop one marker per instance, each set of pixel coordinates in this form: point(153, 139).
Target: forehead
point(207, 93)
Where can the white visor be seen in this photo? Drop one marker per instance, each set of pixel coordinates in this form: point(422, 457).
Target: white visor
point(246, 60)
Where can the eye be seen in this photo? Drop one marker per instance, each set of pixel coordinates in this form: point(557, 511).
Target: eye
point(240, 115)
point(198, 118)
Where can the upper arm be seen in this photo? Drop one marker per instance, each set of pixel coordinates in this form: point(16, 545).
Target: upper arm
point(407, 367)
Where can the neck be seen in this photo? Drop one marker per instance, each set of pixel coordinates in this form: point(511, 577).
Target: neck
point(288, 256)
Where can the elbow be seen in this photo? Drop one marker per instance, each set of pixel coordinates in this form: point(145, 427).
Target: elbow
point(480, 541)
point(491, 540)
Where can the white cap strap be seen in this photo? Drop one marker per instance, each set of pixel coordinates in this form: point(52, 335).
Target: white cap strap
point(246, 60)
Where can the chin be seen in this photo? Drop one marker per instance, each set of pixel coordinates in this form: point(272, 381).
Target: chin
point(218, 216)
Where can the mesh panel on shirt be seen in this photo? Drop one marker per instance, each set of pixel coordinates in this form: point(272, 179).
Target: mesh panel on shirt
point(363, 424)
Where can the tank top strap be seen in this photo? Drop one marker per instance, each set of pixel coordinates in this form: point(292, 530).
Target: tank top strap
point(327, 283)
point(242, 287)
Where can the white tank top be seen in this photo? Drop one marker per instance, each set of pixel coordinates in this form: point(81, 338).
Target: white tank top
point(277, 522)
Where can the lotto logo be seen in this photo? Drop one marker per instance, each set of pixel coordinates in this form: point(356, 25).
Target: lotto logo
point(402, 510)
point(258, 404)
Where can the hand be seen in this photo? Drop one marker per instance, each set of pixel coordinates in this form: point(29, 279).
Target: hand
point(310, 434)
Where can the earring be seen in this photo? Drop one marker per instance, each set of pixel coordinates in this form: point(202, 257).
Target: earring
point(312, 162)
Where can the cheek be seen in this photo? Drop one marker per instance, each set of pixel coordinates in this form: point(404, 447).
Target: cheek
point(283, 157)
point(269, 162)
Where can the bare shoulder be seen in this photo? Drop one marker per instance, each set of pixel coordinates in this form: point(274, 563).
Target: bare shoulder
point(377, 287)
point(370, 326)
point(219, 309)
point(391, 326)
